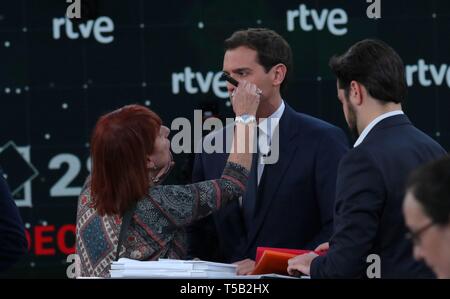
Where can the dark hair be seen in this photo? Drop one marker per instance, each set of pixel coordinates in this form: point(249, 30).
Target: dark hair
point(375, 65)
point(271, 48)
point(430, 185)
point(120, 143)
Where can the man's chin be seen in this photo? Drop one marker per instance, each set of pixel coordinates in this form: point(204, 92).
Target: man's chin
point(439, 274)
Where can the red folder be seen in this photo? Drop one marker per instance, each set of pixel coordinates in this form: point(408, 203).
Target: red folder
point(275, 260)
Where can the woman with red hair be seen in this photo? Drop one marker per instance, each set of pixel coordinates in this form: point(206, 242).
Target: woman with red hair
point(130, 157)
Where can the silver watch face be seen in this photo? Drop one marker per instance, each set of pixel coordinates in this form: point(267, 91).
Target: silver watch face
point(245, 117)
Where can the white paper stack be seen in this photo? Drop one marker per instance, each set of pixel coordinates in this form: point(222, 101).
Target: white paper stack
point(168, 268)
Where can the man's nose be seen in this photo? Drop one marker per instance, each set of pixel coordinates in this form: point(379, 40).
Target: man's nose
point(230, 88)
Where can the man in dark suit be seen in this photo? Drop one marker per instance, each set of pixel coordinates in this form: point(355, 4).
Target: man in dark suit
point(427, 215)
point(13, 243)
point(288, 203)
point(369, 228)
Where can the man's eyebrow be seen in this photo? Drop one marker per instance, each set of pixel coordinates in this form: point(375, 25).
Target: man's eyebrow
point(238, 70)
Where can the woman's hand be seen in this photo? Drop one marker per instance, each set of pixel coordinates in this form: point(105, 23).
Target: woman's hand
point(245, 99)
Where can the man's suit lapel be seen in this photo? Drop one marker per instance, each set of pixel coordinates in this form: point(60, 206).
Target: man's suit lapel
point(273, 174)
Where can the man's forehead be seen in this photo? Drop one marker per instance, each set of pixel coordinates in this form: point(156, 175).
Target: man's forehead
point(243, 56)
point(241, 50)
point(413, 209)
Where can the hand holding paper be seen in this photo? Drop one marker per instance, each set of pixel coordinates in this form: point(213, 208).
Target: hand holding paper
point(245, 267)
point(301, 264)
point(275, 260)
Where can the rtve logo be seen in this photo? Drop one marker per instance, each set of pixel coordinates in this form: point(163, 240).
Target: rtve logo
point(427, 74)
point(101, 28)
point(309, 19)
point(195, 82)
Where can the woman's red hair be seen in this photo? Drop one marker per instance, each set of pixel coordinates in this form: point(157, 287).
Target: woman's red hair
point(120, 144)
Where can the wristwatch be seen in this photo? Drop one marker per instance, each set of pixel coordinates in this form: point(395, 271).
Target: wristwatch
point(245, 119)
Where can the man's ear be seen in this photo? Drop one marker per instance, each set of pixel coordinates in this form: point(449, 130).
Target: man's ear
point(357, 93)
point(279, 74)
